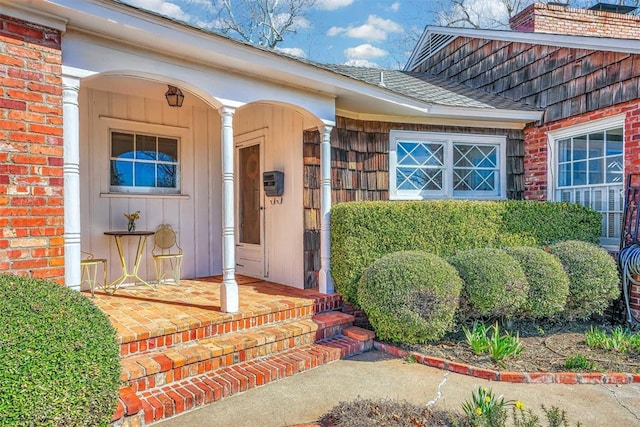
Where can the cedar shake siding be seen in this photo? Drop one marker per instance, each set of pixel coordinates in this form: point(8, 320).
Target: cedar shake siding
point(360, 171)
point(31, 151)
point(564, 81)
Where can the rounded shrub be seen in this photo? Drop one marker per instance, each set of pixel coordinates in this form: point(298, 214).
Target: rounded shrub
point(494, 283)
point(548, 282)
point(410, 296)
point(593, 278)
point(60, 357)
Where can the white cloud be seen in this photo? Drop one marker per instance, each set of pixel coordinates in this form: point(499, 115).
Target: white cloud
point(332, 4)
point(365, 51)
point(361, 63)
point(294, 51)
point(376, 29)
point(162, 7)
point(395, 6)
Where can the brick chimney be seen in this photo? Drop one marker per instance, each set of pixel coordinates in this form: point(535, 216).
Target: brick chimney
point(558, 19)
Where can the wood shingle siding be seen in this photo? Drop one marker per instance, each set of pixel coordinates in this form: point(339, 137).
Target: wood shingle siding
point(360, 170)
point(564, 81)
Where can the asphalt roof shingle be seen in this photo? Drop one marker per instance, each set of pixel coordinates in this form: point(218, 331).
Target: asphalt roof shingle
point(427, 88)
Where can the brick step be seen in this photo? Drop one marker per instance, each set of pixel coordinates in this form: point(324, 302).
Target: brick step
point(144, 371)
point(185, 329)
point(147, 406)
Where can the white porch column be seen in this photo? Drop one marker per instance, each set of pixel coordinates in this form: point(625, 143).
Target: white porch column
point(229, 301)
point(326, 284)
point(71, 170)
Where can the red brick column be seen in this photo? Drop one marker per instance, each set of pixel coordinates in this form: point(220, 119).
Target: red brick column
point(31, 150)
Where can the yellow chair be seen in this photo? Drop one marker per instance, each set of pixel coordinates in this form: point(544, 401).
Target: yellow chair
point(89, 265)
point(167, 251)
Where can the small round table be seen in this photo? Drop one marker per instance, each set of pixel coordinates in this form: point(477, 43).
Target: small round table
point(142, 241)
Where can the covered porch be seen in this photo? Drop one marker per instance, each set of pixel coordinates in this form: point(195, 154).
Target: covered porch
point(198, 166)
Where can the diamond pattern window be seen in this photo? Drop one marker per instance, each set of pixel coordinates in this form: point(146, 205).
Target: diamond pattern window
point(431, 165)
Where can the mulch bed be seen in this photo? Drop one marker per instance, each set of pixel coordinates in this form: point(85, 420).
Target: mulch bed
point(546, 348)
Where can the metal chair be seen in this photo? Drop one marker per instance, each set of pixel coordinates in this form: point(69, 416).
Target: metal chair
point(167, 251)
point(89, 273)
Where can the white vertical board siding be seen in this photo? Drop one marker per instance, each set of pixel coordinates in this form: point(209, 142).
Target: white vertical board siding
point(284, 227)
point(195, 217)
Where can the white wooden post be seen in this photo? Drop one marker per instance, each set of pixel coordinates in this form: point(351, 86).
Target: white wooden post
point(229, 301)
point(325, 282)
point(71, 173)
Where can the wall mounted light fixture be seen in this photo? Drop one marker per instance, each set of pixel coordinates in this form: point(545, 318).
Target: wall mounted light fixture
point(174, 96)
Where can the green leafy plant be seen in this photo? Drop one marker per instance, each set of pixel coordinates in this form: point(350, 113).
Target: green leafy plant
point(410, 296)
point(499, 346)
point(485, 409)
point(362, 232)
point(620, 339)
point(477, 337)
point(580, 363)
point(60, 357)
point(502, 346)
point(556, 417)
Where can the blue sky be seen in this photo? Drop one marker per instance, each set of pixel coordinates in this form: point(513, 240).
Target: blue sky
point(356, 32)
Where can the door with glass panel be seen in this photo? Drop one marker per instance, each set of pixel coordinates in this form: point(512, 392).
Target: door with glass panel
point(249, 208)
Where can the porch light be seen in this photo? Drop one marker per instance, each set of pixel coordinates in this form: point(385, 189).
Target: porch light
point(174, 96)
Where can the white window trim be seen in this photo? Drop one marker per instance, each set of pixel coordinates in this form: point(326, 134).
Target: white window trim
point(110, 124)
point(448, 139)
point(592, 126)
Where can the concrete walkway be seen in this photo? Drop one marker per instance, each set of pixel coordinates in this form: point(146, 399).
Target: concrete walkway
point(304, 397)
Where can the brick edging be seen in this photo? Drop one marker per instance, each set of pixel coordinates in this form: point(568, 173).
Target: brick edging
point(508, 376)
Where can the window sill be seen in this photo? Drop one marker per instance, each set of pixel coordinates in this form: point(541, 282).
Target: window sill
point(443, 197)
point(143, 196)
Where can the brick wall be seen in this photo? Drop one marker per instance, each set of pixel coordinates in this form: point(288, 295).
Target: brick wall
point(547, 18)
point(535, 162)
point(535, 147)
point(31, 150)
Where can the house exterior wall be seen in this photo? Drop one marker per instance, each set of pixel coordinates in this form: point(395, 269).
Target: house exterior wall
point(360, 170)
point(536, 148)
point(31, 151)
point(564, 81)
point(556, 19)
point(195, 214)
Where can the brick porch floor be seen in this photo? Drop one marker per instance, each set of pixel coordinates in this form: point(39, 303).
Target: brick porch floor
point(141, 313)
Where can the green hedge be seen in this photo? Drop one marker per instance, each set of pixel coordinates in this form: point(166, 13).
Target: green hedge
point(60, 358)
point(362, 232)
point(410, 296)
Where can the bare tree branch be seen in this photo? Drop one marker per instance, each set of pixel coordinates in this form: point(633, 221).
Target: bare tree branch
point(261, 22)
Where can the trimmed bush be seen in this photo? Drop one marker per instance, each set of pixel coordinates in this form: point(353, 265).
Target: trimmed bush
point(410, 296)
point(362, 232)
point(593, 278)
point(494, 283)
point(548, 282)
point(60, 357)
